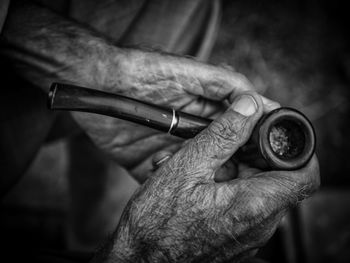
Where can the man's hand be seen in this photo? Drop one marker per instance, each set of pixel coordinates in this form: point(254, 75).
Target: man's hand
point(180, 214)
point(168, 80)
point(44, 47)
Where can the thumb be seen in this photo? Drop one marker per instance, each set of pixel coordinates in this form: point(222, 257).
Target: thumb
point(268, 193)
point(216, 144)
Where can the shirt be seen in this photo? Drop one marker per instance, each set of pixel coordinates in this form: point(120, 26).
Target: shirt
point(182, 27)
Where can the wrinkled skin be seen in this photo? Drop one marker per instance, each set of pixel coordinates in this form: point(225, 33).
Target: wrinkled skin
point(180, 214)
point(44, 47)
point(167, 80)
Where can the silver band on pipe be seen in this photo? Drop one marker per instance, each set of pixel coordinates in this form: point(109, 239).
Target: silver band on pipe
point(174, 122)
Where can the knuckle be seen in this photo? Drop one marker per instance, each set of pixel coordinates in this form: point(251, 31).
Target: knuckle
point(255, 203)
point(315, 174)
point(229, 130)
point(218, 91)
point(256, 206)
point(242, 81)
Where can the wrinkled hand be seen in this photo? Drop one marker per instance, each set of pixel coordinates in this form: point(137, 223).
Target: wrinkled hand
point(162, 79)
point(66, 51)
point(180, 214)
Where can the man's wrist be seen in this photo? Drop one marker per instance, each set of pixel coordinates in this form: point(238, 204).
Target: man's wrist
point(117, 249)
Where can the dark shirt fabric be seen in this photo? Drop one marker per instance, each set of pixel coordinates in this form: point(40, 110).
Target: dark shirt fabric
point(3, 11)
point(173, 26)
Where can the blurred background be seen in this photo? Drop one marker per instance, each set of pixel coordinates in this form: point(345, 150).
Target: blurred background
point(295, 52)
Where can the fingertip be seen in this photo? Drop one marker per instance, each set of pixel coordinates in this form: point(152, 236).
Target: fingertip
point(269, 105)
point(226, 66)
point(312, 172)
point(313, 163)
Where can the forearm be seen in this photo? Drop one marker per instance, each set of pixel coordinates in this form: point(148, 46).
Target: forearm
point(44, 47)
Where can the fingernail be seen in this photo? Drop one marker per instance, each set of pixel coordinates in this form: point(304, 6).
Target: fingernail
point(159, 162)
point(245, 105)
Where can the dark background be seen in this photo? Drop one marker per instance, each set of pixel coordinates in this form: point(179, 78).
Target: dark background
point(295, 52)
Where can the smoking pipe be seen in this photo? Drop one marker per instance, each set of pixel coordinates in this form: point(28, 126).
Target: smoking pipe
point(283, 139)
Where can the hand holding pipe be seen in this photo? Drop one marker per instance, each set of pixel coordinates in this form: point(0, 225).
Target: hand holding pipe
point(283, 139)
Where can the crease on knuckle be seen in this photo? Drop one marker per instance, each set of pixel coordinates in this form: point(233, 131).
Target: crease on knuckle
point(255, 205)
point(217, 89)
point(231, 131)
